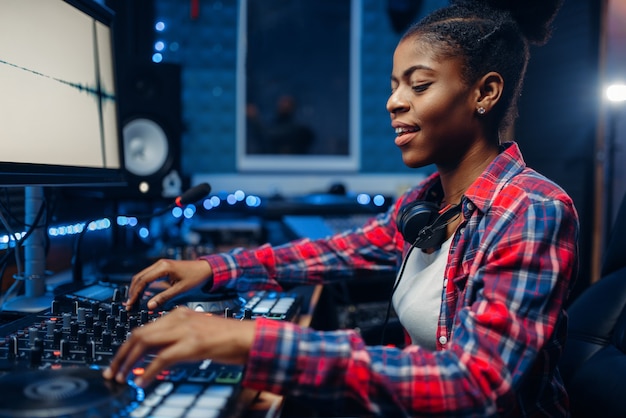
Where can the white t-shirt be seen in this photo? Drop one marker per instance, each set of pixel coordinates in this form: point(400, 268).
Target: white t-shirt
point(417, 300)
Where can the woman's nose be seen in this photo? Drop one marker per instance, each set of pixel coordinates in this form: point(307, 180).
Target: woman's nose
point(396, 103)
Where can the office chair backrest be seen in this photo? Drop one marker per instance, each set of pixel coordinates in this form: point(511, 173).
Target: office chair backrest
point(593, 365)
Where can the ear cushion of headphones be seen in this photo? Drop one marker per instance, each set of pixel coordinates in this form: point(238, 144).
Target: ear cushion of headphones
point(415, 219)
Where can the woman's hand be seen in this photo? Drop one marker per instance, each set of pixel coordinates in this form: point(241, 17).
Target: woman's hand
point(181, 275)
point(182, 335)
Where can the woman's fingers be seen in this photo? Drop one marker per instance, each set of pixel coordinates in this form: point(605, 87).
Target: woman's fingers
point(182, 336)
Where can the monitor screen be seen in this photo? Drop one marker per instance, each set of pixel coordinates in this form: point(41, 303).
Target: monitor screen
point(58, 112)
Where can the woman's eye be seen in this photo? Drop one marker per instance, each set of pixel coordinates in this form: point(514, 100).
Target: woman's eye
point(420, 88)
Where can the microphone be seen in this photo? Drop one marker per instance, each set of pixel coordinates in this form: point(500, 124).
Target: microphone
point(190, 196)
point(193, 195)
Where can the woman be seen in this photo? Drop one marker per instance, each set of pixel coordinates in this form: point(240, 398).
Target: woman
point(483, 303)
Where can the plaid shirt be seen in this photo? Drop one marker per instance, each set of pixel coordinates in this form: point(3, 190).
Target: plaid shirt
point(502, 324)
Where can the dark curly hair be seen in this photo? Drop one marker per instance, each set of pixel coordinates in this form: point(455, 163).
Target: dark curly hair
point(489, 35)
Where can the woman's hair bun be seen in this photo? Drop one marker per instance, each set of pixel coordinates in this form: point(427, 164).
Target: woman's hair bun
point(534, 17)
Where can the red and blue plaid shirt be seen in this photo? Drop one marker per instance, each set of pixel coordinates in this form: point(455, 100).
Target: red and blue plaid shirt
point(502, 324)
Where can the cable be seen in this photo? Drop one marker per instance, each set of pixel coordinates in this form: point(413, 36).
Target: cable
point(393, 290)
point(15, 287)
point(421, 237)
point(18, 258)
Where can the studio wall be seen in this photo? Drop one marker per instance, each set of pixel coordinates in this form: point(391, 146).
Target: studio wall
point(558, 110)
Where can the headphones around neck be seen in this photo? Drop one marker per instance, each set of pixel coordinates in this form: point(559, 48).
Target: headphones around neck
point(423, 223)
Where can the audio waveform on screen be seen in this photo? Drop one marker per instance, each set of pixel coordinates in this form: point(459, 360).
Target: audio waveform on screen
point(97, 91)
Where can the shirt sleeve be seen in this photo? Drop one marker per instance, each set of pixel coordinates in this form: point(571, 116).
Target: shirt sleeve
point(366, 251)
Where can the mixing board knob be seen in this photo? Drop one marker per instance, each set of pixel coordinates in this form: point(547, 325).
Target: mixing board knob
point(102, 314)
point(115, 308)
point(13, 347)
point(97, 329)
point(67, 319)
point(106, 339)
point(133, 322)
point(89, 321)
point(228, 313)
point(123, 316)
point(91, 351)
point(80, 314)
point(118, 295)
point(143, 317)
point(81, 339)
point(73, 329)
point(35, 355)
point(120, 331)
point(50, 328)
point(247, 314)
point(65, 348)
point(115, 345)
point(55, 307)
point(32, 335)
point(111, 322)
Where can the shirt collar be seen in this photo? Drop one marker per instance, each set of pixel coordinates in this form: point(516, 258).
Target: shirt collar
point(506, 165)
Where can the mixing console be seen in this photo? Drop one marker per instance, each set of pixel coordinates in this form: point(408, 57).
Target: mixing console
point(51, 362)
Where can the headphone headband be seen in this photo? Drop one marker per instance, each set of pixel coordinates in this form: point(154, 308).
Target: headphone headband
point(423, 224)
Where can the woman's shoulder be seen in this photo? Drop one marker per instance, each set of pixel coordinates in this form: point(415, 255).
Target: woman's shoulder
point(530, 193)
point(535, 186)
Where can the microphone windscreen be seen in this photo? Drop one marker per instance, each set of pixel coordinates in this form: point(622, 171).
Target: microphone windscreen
point(194, 194)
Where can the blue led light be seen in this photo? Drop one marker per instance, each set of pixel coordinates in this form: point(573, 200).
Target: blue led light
point(379, 200)
point(239, 195)
point(126, 221)
point(189, 211)
point(159, 46)
point(211, 202)
point(253, 201)
point(144, 232)
point(363, 198)
point(157, 57)
point(177, 212)
point(7, 241)
point(159, 26)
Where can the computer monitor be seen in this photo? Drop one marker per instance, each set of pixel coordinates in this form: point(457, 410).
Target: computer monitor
point(59, 123)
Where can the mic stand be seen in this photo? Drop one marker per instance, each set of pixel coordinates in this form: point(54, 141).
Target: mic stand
point(35, 298)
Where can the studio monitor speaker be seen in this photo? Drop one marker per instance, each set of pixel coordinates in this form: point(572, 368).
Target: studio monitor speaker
point(150, 114)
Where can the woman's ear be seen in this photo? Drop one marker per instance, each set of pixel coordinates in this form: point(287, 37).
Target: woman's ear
point(489, 91)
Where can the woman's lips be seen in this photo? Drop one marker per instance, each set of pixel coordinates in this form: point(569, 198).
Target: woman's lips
point(405, 136)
